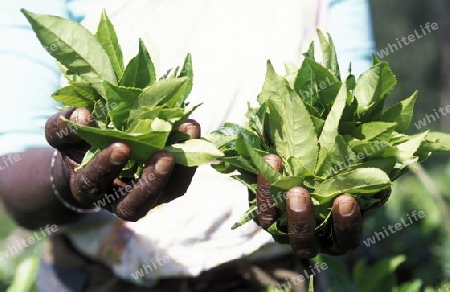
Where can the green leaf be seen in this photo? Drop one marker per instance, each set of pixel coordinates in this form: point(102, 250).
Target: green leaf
point(292, 131)
point(275, 230)
point(341, 157)
point(253, 140)
point(176, 136)
point(374, 131)
point(310, 52)
point(381, 272)
point(436, 142)
point(351, 81)
point(269, 173)
point(316, 86)
point(305, 87)
point(144, 113)
point(194, 152)
point(386, 164)
point(330, 129)
point(122, 98)
point(357, 181)
point(86, 90)
point(298, 168)
point(291, 73)
point(164, 92)
point(318, 124)
point(407, 149)
point(275, 86)
point(186, 71)
point(74, 47)
point(106, 35)
point(279, 189)
point(371, 149)
point(329, 53)
point(143, 146)
point(248, 179)
point(172, 115)
point(375, 59)
point(372, 88)
point(100, 112)
point(140, 71)
point(249, 215)
point(327, 84)
point(240, 163)
point(25, 275)
point(219, 139)
point(400, 113)
point(69, 96)
point(186, 115)
point(88, 157)
point(311, 284)
point(411, 286)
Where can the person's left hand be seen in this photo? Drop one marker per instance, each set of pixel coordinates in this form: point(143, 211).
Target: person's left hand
point(98, 182)
point(346, 218)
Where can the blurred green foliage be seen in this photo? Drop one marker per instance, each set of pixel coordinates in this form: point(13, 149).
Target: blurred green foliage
point(424, 244)
point(17, 272)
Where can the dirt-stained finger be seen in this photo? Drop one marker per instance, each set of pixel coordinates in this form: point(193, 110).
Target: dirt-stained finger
point(267, 212)
point(347, 223)
point(59, 134)
point(192, 128)
point(302, 223)
point(96, 178)
point(146, 194)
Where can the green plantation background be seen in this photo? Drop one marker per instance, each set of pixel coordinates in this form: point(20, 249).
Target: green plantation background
point(416, 258)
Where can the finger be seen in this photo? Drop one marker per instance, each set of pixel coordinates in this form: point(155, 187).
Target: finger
point(146, 193)
point(192, 128)
point(59, 134)
point(96, 178)
point(181, 177)
point(302, 223)
point(266, 210)
point(347, 223)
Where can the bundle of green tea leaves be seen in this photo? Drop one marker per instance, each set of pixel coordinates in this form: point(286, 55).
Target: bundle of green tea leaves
point(128, 102)
point(332, 135)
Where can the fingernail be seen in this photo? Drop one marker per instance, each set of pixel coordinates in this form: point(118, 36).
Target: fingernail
point(297, 201)
point(273, 160)
point(192, 131)
point(346, 208)
point(118, 156)
point(164, 165)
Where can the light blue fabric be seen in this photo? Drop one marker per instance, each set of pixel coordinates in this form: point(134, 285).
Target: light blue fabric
point(350, 26)
point(28, 74)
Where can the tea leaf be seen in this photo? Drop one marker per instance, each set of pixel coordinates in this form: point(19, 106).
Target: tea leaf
point(140, 71)
point(74, 47)
point(106, 35)
point(194, 152)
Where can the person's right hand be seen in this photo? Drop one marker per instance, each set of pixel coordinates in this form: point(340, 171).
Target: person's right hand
point(346, 218)
point(161, 181)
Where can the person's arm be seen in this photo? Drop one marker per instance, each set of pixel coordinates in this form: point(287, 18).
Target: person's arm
point(28, 76)
point(26, 191)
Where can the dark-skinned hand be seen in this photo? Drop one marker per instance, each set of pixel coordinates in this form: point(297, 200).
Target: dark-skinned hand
point(161, 181)
point(346, 218)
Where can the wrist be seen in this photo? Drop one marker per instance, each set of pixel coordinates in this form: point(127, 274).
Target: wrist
point(60, 180)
